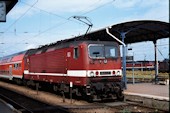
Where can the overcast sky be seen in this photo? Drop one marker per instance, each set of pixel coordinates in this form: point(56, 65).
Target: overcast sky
point(32, 23)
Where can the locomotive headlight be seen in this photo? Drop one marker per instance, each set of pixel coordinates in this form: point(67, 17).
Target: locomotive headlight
point(118, 72)
point(92, 74)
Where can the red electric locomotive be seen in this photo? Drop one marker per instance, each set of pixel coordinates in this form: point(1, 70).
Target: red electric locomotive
point(93, 67)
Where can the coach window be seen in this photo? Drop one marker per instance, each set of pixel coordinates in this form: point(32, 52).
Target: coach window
point(76, 52)
point(19, 65)
point(15, 66)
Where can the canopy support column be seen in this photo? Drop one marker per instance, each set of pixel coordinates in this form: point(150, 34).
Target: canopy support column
point(124, 54)
point(124, 60)
point(156, 62)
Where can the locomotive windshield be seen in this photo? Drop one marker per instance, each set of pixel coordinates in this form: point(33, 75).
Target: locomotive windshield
point(102, 51)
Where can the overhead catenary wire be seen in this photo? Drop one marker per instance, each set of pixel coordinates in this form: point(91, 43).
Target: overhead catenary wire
point(46, 30)
point(51, 13)
point(161, 53)
point(84, 10)
point(45, 11)
point(21, 16)
point(50, 28)
point(33, 6)
point(64, 17)
point(98, 7)
point(42, 32)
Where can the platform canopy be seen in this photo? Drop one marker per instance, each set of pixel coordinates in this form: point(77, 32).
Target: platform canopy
point(9, 4)
point(5, 7)
point(136, 31)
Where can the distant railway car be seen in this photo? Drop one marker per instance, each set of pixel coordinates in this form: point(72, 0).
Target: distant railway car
point(140, 65)
point(164, 66)
point(92, 67)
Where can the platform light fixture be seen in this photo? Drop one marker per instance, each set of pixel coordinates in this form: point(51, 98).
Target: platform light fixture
point(2, 11)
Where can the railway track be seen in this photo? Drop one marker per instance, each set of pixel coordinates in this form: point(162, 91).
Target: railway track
point(25, 104)
point(112, 107)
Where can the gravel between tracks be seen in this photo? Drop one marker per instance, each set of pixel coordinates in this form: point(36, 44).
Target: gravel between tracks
point(76, 106)
point(46, 97)
point(55, 100)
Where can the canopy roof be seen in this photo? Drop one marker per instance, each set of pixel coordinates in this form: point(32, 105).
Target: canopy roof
point(10, 4)
point(136, 31)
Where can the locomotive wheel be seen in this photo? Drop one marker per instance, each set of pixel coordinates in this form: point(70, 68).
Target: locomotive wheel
point(120, 95)
point(24, 82)
point(90, 99)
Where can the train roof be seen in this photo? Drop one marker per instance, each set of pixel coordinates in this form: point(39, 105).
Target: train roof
point(63, 44)
point(13, 58)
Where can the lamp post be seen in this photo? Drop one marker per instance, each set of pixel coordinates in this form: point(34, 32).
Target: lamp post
point(133, 69)
point(133, 78)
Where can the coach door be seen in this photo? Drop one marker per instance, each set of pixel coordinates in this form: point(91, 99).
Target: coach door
point(10, 72)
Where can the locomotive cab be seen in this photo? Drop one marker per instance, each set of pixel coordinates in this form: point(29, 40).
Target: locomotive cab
point(98, 65)
point(104, 70)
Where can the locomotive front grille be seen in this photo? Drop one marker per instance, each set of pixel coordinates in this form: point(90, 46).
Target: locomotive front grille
point(105, 73)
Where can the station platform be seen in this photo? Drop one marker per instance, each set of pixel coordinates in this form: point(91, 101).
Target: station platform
point(148, 94)
point(148, 89)
point(4, 108)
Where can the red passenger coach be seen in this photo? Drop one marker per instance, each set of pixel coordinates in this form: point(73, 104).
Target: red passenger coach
point(12, 66)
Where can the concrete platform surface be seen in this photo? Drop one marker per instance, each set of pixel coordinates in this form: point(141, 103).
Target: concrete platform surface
point(148, 89)
point(4, 108)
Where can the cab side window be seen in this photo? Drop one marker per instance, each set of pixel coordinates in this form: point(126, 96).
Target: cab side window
point(76, 53)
